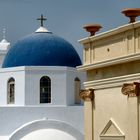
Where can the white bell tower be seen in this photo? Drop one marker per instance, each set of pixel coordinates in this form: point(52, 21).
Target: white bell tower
point(4, 46)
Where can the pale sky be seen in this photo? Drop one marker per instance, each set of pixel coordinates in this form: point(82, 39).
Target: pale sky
point(64, 17)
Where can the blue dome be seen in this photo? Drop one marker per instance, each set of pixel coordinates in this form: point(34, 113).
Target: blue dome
point(42, 49)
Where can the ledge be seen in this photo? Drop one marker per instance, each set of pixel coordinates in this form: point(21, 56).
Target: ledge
point(105, 63)
point(112, 82)
point(111, 32)
point(36, 68)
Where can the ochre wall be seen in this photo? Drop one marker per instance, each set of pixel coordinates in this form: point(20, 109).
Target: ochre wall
point(110, 60)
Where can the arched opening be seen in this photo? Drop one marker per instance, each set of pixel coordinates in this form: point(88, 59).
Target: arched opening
point(77, 84)
point(11, 91)
point(45, 90)
point(48, 134)
point(46, 130)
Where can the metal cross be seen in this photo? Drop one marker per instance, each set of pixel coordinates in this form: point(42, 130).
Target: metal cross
point(4, 32)
point(42, 19)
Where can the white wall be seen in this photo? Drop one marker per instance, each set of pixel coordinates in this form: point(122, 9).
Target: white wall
point(49, 129)
point(27, 107)
point(58, 85)
point(2, 55)
point(12, 118)
point(48, 134)
point(27, 84)
point(4, 47)
point(19, 75)
point(70, 89)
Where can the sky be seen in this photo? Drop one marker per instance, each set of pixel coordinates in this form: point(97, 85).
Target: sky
point(65, 18)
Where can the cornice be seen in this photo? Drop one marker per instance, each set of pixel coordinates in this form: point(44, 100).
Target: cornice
point(111, 32)
point(112, 82)
point(105, 63)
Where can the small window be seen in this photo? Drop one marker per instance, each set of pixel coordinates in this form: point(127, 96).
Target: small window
point(11, 91)
point(77, 90)
point(45, 90)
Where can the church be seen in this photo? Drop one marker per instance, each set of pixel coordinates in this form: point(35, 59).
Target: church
point(42, 75)
point(39, 88)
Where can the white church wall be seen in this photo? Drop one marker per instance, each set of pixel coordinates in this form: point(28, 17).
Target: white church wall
point(83, 77)
point(46, 129)
point(4, 47)
point(59, 90)
point(27, 84)
point(71, 75)
point(62, 84)
point(48, 134)
point(27, 97)
point(4, 137)
point(31, 89)
point(72, 115)
point(19, 76)
point(70, 87)
point(2, 55)
point(58, 85)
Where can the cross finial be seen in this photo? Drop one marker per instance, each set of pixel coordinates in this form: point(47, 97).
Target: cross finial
point(4, 32)
point(42, 19)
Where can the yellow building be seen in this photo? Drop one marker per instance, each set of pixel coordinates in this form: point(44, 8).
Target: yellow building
point(111, 98)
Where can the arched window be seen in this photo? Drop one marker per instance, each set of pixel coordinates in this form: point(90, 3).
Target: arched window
point(77, 90)
point(45, 90)
point(11, 91)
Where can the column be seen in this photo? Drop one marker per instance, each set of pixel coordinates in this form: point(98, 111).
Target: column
point(87, 96)
point(132, 90)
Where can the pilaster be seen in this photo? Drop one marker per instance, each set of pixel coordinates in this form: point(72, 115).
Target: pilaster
point(88, 96)
point(132, 90)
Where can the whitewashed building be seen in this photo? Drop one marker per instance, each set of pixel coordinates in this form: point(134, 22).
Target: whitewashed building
point(39, 90)
point(4, 47)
